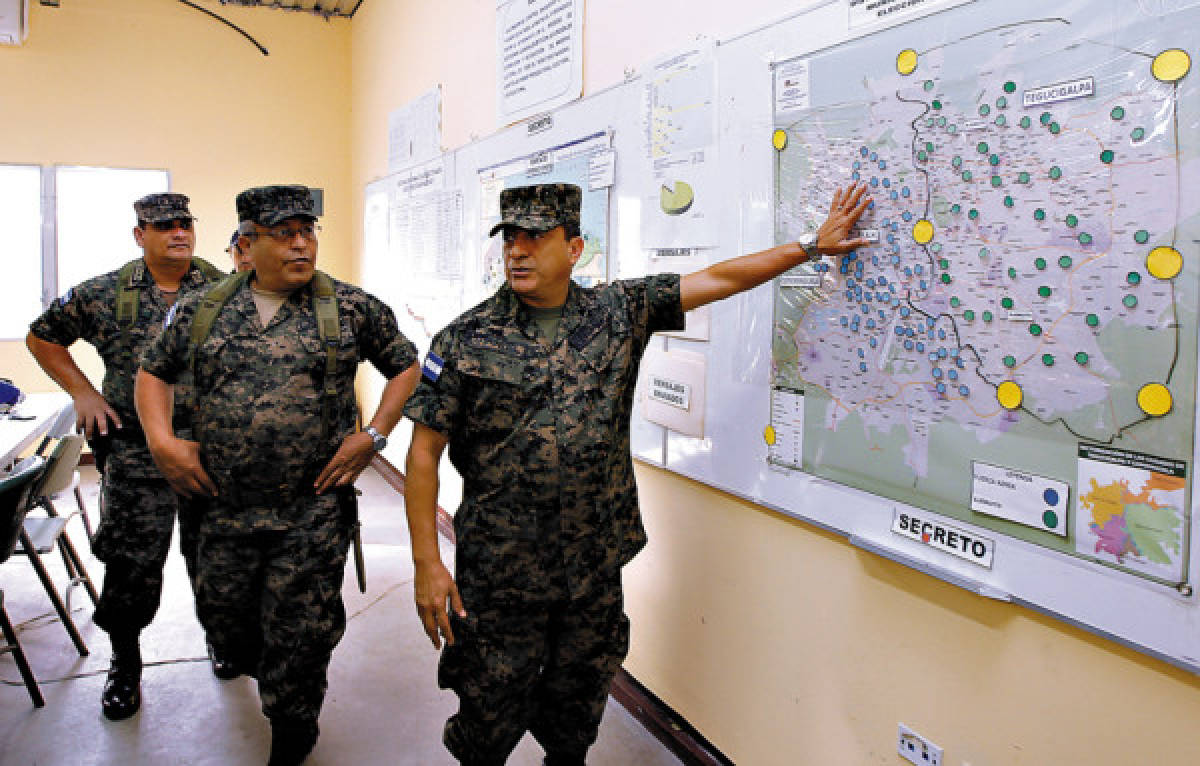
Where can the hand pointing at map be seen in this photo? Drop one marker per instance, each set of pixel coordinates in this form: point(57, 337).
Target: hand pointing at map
point(727, 278)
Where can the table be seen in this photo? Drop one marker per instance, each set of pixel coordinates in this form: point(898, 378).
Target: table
point(53, 415)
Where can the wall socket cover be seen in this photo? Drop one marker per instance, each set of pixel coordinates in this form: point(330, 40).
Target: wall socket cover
point(917, 749)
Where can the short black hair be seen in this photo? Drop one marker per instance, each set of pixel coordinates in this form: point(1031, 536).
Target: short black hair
point(570, 229)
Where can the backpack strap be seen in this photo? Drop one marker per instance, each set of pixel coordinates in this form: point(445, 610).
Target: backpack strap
point(129, 289)
point(210, 272)
point(326, 310)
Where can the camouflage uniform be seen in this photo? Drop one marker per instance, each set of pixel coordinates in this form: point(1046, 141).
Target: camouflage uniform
point(272, 554)
point(137, 506)
point(550, 514)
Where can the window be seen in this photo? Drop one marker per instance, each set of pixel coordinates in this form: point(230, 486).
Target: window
point(94, 219)
point(21, 248)
point(87, 218)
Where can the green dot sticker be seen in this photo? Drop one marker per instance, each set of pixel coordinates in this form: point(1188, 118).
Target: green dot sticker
point(1085, 238)
point(983, 252)
point(996, 181)
point(1137, 134)
point(1072, 220)
point(1092, 320)
point(1025, 122)
point(1133, 278)
point(1010, 361)
point(1035, 329)
point(928, 85)
point(1002, 103)
point(937, 104)
point(1001, 121)
point(943, 263)
point(954, 301)
point(987, 316)
point(1106, 156)
point(1056, 172)
point(929, 146)
point(1065, 261)
point(1039, 215)
point(1012, 273)
point(969, 315)
point(1040, 263)
point(1118, 113)
point(1081, 357)
point(922, 156)
point(1022, 177)
point(1050, 519)
point(1055, 129)
point(972, 214)
point(956, 162)
point(982, 147)
point(1141, 236)
point(1044, 291)
point(994, 159)
point(1048, 360)
point(1130, 301)
point(966, 176)
point(1008, 200)
point(1010, 87)
point(945, 279)
point(984, 110)
point(1006, 303)
point(1046, 118)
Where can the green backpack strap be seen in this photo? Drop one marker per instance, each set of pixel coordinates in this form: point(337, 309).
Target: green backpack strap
point(210, 272)
point(129, 289)
point(325, 308)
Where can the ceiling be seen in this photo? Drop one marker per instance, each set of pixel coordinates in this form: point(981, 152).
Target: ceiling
point(326, 8)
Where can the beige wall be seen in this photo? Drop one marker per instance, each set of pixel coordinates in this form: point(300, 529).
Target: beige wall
point(150, 84)
point(781, 643)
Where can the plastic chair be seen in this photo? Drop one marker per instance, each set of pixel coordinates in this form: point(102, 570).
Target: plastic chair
point(15, 490)
point(62, 476)
point(40, 533)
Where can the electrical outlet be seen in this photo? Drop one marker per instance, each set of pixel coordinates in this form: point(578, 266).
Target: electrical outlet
point(917, 749)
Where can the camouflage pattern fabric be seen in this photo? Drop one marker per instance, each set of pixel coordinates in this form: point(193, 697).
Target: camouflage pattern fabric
point(133, 539)
point(547, 669)
point(539, 208)
point(272, 602)
point(258, 394)
point(166, 206)
point(89, 312)
point(268, 205)
point(271, 554)
point(540, 436)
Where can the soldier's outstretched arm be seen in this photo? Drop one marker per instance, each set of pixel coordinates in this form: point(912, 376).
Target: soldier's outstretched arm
point(92, 411)
point(432, 585)
point(732, 276)
point(178, 459)
point(357, 449)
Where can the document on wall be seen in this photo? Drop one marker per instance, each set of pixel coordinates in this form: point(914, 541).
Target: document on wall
point(415, 131)
point(679, 140)
point(539, 50)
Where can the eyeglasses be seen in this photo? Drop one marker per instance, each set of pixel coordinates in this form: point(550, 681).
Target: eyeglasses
point(285, 234)
point(172, 225)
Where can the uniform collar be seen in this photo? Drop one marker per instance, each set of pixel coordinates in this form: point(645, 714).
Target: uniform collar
point(508, 311)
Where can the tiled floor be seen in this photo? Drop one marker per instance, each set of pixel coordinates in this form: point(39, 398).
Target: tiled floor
point(383, 706)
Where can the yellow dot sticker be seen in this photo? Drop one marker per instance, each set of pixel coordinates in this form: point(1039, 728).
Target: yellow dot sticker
point(769, 435)
point(1009, 395)
point(779, 140)
point(1164, 263)
point(1154, 399)
point(922, 231)
point(906, 62)
point(1171, 65)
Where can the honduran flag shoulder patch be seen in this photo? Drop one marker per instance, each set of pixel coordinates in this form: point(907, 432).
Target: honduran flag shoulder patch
point(432, 369)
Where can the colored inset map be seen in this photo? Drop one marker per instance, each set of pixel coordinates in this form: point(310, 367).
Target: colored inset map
point(1034, 284)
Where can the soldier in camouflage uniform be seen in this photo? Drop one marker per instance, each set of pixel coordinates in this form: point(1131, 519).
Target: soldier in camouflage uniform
point(532, 391)
point(275, 455)
point(237, 253)
point(137, 507)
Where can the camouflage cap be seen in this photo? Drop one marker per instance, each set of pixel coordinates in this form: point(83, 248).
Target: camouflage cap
point(540, 207)
point(164, 206)
point(268, 205)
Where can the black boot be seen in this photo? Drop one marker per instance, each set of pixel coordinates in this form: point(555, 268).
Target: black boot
point(222, 668)
point(122, 695)
point(291, 742)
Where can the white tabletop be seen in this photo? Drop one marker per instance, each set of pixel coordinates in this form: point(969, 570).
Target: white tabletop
point(53, 415)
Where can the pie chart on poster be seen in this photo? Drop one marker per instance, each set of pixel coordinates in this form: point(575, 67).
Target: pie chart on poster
point(676, 201)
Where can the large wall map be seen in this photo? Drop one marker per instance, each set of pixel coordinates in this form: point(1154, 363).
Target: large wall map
point(1031, 303)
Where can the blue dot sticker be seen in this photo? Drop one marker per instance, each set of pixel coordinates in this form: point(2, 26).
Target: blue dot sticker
point(1050, 496)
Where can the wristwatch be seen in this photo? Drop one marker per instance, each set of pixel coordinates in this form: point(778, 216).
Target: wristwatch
point(808, 243)
point(379, 439)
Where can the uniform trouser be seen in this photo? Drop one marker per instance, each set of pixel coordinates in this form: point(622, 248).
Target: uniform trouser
point(133, 539)
point(540, 667)
point(271, 602)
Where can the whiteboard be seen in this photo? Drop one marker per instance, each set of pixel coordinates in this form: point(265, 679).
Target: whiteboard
point(1155, 616)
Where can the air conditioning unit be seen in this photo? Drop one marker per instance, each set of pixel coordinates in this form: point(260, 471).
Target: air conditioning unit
point(14, 21)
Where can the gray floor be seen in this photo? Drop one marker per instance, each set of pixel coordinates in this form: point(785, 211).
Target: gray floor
point(383, 707)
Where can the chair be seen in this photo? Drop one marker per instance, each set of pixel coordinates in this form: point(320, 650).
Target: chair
point(62, 475)
point(40, 533)
point(15, 489)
